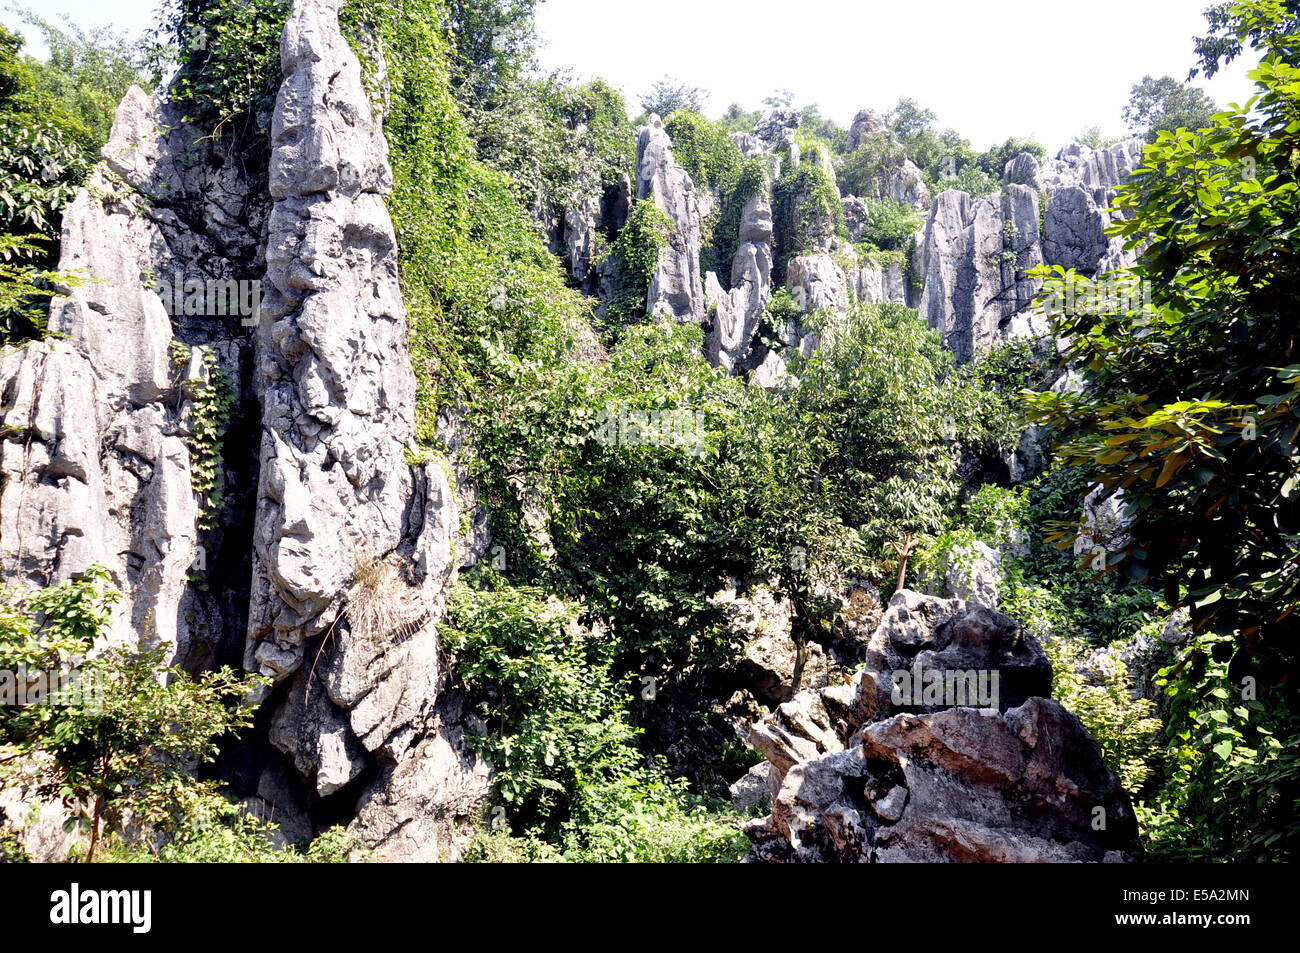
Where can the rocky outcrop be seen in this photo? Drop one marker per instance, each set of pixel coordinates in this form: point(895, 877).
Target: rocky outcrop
point(974, 254)
point(96, 464)
point(1027, 785)
point(603, 211)
point(1107, 168)
point(352, 547)
point(871, 772)
point(877, 284)
point(973, 573)
point(866, 123)
point(735, 315)
point(975, 259)
point(777, 125)
point(1023, 170)
point(817, 282)
point(1105, 523)
point(348, 548)
point(675, 287)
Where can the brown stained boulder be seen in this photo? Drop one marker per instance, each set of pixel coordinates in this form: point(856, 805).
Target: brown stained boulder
point(865, 779)
point(953, 786)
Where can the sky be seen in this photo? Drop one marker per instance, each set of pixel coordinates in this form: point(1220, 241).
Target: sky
point(1044, 69)
point(990, 69)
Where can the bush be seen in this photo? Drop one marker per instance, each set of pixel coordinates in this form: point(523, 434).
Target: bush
point(889, 225)
point(1232, 788)
point(1125, 728)
point(555, 720)
point(638, 817)
point(116, 748)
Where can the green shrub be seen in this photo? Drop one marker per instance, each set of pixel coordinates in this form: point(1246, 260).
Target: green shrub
point(555, 719)
point(638, 817)
point(1124, 727)
point(806, 210)
point(635, 252)
point(889, 225)
point(116, 752)
point(1230, 791)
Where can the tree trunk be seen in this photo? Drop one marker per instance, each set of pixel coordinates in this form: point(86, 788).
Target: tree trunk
point(96, 813)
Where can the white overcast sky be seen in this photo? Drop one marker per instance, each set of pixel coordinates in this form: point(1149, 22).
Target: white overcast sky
point(988, 68)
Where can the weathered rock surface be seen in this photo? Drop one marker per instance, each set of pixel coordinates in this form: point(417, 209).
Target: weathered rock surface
point(817, 282)
point(1107, 168)
point(863, 781)
point(675, 287)
point(973, 573)
point(953, 786)
point(753, 790)
point(352, 545)
point(576, 236)
point(1023, 170)
point(975, 258)
point(974, 253)
point(95, 465)
point(866, 123)
point(777, 124)
point(737, 314)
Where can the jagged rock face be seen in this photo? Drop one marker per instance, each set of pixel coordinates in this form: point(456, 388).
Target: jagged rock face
point(352, 544)
point(953, 786)
point(96, 467)
point(1105, 520)
point(94, 464)
point(973, 573)
point(575, 238)
point(675, 287)
point(736, 314)
point(876, 284)
point(1074, 229)
point(904, 185)
point(866, 123)
point(1023, 170)
point(1093, 168)
point(749, 144)
point(974, 254)
point(778, 124)
point(817, 282)
point(862, 781)
point(975, 258)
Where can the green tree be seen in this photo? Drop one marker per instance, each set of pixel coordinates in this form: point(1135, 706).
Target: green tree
point(669, 95)
point(489, 45)
point(1164, 104)
point(1236, 25)
point(1190, 408)
point(118, 740)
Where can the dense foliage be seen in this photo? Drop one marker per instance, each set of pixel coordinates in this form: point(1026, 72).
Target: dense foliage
point(627, 481)
point(1166, 105)
point(1190, 409)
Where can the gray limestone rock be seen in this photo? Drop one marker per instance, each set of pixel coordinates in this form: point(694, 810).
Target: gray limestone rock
point(676, 289)
point(954, 784)
point(736, 314)
point(975, 258)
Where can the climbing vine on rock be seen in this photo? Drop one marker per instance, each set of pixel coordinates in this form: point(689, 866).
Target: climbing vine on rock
point(211, 396)
point(635, 253)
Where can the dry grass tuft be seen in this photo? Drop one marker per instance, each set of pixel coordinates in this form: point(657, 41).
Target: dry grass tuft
point(381, 606)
